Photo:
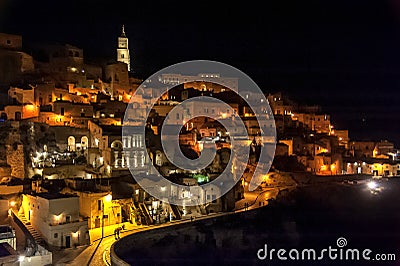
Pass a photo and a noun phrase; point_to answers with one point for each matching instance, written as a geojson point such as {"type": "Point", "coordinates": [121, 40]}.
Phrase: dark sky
{"type": "Point", "coordinates": [343, 55]}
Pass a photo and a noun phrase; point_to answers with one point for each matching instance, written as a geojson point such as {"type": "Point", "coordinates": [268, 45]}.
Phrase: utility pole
{"type": "Point", "coordinates": [102, 219]}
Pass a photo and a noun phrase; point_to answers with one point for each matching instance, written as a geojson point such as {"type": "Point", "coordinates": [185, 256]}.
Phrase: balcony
{"type": "Point", "coordinates": [80, 220]}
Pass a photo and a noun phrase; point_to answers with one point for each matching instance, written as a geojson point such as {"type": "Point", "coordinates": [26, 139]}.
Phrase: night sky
{"type": "Point", "coordinates": [343, 55]}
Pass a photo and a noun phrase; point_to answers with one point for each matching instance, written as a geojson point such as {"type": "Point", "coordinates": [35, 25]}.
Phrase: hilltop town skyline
{"type": "Point", "coordinates": [347, 63]}
{"type": "Point", "coordinates": [198, 133]}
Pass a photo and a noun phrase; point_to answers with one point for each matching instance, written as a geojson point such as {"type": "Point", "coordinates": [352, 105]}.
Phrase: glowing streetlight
{"type": "Point", "coordinates": [372, 185]}
{"type": "Point", "coordinates": [108, 198]}
{"type": "Point", "coordinates": [75, 234]}
{"type": "Point", "coordinates": [58, 218]}
{"type": "Point", "coordinates": [30, 107]}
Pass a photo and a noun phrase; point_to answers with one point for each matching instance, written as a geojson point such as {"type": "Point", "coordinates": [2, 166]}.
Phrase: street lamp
{"type": "Point", "coordinates": [102, 219]}
{"type": "Point", "coordinates": [107, 198]}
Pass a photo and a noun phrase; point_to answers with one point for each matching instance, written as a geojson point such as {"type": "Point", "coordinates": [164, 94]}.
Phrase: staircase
{"type": "Point", "coordinates": [35, 235]}
{"type": "Point", "coordinates": [176, 211]}
{"type": "Point", "coordinates": [146, 214]}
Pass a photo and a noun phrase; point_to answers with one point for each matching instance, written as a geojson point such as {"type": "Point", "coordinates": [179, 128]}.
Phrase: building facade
{"type": "Point", "coordinates": [56, 218]}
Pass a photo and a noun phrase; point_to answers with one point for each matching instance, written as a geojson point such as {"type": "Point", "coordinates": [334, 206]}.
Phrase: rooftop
{"type": "Point", "coordinates": [50, 196]}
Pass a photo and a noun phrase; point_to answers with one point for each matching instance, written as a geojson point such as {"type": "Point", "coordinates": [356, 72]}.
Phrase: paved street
{"type": "Point", "coordinates": [256, 199]}
{"type": "Point", "coordinates": [93, 254]}
{"type": "Point", "coordinates": [99, 251]}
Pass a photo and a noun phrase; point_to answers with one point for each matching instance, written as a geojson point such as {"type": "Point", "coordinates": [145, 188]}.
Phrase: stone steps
{"type": "Point", "coordinates": [35, 235]}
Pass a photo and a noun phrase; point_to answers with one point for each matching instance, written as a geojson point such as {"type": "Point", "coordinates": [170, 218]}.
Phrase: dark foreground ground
{"type": "Point", "coordinates": [311, 217]}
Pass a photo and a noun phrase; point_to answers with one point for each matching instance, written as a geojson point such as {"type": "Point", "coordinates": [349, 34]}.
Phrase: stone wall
{"type": "Point", "coordinates": [15, 158]}
{"type": "Point", "coordinates": [5, 171]}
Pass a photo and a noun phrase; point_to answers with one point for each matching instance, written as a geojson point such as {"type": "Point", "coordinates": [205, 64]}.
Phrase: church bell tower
{"type": "Point", "coordinates": [123, 50]}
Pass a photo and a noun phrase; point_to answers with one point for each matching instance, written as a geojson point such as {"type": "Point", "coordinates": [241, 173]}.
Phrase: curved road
{"type": "Point", "coordinates": [98, 253]}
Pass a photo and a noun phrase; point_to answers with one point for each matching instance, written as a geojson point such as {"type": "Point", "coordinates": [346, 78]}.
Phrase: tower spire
{"type": "Point", "coordinates": [123, 31]}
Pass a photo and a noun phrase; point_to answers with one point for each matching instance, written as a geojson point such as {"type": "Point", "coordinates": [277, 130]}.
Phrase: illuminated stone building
{"type": "Point", "coordinates": [123, 49]}
{"type": "Point", "coordinates": [56, 218]}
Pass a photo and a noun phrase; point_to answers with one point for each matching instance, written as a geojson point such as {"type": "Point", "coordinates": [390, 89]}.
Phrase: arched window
{"type": "Point", "coordinates": [116, 145]}
{"type": "Point", "coordinates": [71, 143]}
{"type": "Point", "coordinates": [84, 142]}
